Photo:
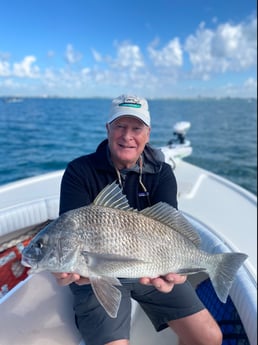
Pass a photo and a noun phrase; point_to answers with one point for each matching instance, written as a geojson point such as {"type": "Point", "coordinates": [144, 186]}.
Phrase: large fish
{"type": "Point", "coordinates": [107, 240]}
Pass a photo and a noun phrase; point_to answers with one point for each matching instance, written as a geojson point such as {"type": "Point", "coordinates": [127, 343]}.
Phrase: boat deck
{"type": "Point", "coordinates": [224, 213]}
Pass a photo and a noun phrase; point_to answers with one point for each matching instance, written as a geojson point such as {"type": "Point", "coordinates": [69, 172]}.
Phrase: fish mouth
{"type": "Point", "coordinates": [27, 262]}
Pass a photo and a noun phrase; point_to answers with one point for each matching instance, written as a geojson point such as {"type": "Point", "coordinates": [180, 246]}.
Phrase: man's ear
{"type": "Point", "coordinates": [149, 133]}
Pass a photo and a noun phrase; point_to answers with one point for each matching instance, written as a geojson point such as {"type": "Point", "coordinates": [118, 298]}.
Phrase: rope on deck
{"type": "Point", "coordinates": [22, 237]}
{"type": "Point", "coordinates": [11, 269]}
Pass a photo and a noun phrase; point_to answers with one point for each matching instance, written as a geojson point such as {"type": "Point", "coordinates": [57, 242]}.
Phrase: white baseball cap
{"type": "Point", "coordinates": [128, 105]}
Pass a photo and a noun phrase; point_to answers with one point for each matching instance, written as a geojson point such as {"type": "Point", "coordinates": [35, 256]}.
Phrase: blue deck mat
{"type": "Point", "coordinates": [224, 313]}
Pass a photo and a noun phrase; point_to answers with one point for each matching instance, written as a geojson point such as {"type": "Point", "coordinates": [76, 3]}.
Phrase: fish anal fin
{"type": "Point", "coordinates": [107, 294]}
{"type": "Point", "coordinates": [188, 271]}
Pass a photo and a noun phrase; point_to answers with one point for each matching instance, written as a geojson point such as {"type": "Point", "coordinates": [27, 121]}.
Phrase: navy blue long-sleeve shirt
{"type": "Point", "coordinates": [87, 175]}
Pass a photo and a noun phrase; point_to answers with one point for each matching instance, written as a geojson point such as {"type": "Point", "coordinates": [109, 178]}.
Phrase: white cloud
{"type": "Point", "coordinates": [85, 71]}
{"type": "Point", "coordinates": [247, 89]}
{"type": "Point", "coordinates": [170, 55]}
{"type": "Point", "coordinates": [204, 54]}
{"type": "Point", "coordinates": [96, 55]}
{"type": "Point", "coordinates": [129, 56]}
{"type": "Point", "coordinates": [4, 69]}
{"type": "Point", "coordinates": [250, 83]}
{"type": "Point", "coordinates": [228, 48]}
{"type": "Point", "coordinates": [71, 55]}
{"type": "Point", "coordinates": [9, 83]}
{"type": "Point", "coordinates": [25, 68]}
{"type": "Point", "coordinates": [12, 85]}
{"type": "Point", "coordinates": [49, 74]}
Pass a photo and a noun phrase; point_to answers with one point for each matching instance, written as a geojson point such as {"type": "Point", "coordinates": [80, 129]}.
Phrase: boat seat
{"type": "Point", "coordinates": [13, 219]}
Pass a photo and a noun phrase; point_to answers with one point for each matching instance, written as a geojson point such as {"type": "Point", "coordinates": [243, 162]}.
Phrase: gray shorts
{"type": "Point", "coordinates": [97, 328]}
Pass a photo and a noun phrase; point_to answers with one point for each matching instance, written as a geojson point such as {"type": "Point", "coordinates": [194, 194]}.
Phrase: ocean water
{"type": "Point", "coordinates": [43, 135]}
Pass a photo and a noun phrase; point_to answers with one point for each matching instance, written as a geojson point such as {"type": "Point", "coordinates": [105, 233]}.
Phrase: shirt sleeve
{"type": "Point", "coordinates": [73, 193]}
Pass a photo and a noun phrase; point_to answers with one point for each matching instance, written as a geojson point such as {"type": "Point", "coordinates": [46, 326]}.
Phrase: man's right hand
{"type": "Point", "coordinates": [64, 279]}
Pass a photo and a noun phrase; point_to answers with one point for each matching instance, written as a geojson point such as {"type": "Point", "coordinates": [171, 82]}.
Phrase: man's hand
{"type": "Point", "coordinates": [64, 279]}
{"type": "Point", "coordinates": [164, 283]}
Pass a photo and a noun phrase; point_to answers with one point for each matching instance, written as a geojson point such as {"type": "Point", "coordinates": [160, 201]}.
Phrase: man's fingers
{"type": "Point", "coordinates": [164, 283]}
{"type": "Point", "coordinates": [64, 279]}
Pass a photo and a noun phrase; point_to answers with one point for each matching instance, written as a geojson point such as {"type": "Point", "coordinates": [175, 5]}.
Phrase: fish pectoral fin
{"type": "Point", "coordinates": [101, 264]}
{"type": "Point", "coordinates": [106, 293]}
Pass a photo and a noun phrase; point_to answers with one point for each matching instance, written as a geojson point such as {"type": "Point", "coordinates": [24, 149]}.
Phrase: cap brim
{"type": "Point", "coordinates": [130, 112]}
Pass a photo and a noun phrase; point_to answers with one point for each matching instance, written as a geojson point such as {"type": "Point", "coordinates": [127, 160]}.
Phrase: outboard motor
{"type": "Point", "coordinates": [179, 130]}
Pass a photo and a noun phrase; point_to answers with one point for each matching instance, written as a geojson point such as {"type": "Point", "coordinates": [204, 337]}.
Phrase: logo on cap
{"type": "Point", "coordinates": [130, 102]}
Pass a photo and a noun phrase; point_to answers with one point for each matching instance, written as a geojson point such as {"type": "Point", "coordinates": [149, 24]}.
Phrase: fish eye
{"type": "Point", "coordinates": [39, 244]}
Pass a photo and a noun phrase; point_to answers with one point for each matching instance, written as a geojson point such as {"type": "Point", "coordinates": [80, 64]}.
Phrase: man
{"type": "Point", "coordinates": [146, 179]}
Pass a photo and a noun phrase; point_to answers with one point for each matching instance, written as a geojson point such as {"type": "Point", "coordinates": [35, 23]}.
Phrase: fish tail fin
{"type": "Point", "coordinates": [222, 271]}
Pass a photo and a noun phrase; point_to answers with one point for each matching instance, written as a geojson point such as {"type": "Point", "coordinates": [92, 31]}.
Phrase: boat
{"type": "Point", "coordinates": [35, 310]}
{"type": "Point", "coordinates": [12, 100]}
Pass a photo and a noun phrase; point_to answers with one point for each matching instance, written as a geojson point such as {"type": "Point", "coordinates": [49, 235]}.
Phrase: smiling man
{"type": "Point", "coordinates": [128, 135]}
{"type": "Point", "coordinates": [145, 179]}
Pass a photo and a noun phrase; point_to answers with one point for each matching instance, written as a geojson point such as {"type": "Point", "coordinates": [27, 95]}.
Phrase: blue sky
{"type": "Point", "coordinates": [158, 48]}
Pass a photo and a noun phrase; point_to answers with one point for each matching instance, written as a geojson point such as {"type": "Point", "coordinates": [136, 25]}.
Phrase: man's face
{"type": "Point", "coordinates": [127, 137]}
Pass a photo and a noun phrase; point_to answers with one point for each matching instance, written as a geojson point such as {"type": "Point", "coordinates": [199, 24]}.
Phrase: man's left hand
{"type": "Point", "coordinates": [164, 283]}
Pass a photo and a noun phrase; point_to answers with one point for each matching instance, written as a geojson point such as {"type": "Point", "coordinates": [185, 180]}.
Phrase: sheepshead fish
{"type": "Point", "coordinates": [108, 239]}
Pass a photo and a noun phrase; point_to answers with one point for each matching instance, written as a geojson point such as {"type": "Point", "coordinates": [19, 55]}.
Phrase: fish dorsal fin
{"type": "Point", "coordinates": [112, 196]}
{"type": "Point", "coordinates": [174, 219]}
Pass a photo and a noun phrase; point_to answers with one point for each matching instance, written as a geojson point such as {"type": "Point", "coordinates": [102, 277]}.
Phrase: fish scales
{"type": "Point", "coordinates": [132, 230]}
